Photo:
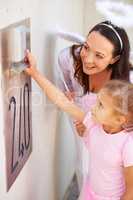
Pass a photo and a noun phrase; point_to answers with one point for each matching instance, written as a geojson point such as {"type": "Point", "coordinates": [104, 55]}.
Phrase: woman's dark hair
{"type": "Point", "coordinates": [120, 69]}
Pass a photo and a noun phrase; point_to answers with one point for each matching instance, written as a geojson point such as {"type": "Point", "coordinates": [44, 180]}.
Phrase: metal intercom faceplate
{"type": "Point", "coordinates": [16, 96]}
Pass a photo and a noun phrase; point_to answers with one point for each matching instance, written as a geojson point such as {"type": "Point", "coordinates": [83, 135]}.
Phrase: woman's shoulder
{"type": "Point", "coordinates": [65, 58]}
{"type": "Point", "coordinates": [66, 52]}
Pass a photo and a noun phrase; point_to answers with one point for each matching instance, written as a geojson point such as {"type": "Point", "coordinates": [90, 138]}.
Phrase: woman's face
{"type": "Point", "coordinates": [96, 54]}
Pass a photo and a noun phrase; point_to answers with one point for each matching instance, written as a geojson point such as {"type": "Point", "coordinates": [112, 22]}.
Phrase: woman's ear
{"type": "Point", "coordinates": [115, 59]}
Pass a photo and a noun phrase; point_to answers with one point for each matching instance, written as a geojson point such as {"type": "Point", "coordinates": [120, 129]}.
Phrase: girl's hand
{"type": "Point", "coordinates": [80, 127]}
{"type": "Point", "coordinates": [30, 60]}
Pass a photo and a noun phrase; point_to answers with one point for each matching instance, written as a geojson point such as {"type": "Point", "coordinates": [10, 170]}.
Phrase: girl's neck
{"type": "Point", "coordinates": [112, 130]}
{"type": "Point", "coordinates": [97, 81]}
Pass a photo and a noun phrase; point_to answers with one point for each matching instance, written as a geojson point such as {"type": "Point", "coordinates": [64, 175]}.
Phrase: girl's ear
{"type": "Point", "coordinates": [115, 59]}
{"type": "Point", "coordinates": [122, 120]}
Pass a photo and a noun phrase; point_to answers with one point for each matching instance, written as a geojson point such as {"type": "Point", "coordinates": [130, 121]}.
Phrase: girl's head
{"type": "Point", "coordinates": [106, 48]}
{"type": "Point", "coordinates": [114, 107]}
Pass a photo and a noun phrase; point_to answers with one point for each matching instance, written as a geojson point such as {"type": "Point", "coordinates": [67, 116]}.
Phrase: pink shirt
{"type": "Point", "coordinates": [109, 154]}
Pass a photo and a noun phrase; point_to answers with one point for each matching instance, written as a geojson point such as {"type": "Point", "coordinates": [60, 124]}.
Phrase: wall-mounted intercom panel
{"type": "Point", "coordinates": [16, 97]}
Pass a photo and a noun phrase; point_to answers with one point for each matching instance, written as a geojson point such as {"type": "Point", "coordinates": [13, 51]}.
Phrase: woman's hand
{"type": "Point", "coordinates": [80, 127]}
{"type": "Point", "coordinates": [30, 60]}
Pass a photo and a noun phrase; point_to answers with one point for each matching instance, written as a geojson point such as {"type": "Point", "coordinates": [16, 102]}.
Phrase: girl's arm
{"type": "Point", "coordinates": [53, 93]}
{"type": "Point", "coordinates": [128, 174]}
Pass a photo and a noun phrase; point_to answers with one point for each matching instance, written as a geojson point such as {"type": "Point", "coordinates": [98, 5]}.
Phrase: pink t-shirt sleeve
{"type": "Point", "coordinates": [89, 123]}
{"type": "Point", "coordinates": [127, 153]}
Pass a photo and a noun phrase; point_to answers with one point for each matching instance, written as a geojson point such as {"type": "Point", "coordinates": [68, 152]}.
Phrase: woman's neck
{"type": "Point", "coordinates": [97, 81]}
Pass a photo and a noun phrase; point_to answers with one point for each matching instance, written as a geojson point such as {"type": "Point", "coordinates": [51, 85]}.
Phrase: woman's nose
{"type": "Point", "coordinates": [89, 58]}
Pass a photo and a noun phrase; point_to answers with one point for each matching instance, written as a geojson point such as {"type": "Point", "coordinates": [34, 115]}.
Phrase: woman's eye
{"type": "Point", "coordinates": [85, 47]}
{"type": "Point", "coordinates": [99, 56]}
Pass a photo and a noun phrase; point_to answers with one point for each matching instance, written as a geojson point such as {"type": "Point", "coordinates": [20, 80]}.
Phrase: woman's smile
{"type": "Point", "coordinates": [88, 67]}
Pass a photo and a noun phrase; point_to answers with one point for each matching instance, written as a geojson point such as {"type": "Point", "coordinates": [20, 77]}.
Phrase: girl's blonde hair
{"type": "Point", "coordinates": [122, 94]}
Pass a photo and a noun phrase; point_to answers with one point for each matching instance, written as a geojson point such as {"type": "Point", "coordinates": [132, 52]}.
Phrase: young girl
{"type": "Point", "coordinates": [110, 146]}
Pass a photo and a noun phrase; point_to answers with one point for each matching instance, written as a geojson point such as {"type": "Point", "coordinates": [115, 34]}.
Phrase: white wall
{"type": "Point", "coordinates": [41, 178]}
{"type": "Point", "coordinates": [93, 16]}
